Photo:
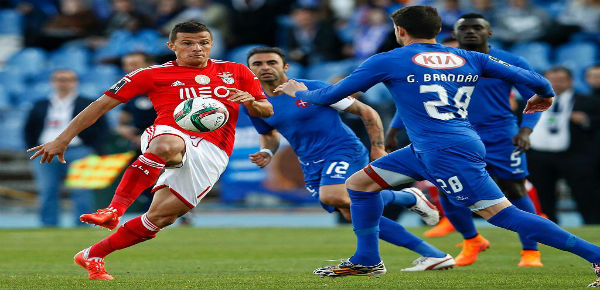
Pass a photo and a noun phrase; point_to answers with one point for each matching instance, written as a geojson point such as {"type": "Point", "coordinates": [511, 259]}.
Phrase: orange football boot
{"type": "Point", "coordinates": [471, 248]}
{"type": "Point", "coordinates": [95, 267]}
{"type": "Point", "coordinates": [104, 217]}
{"type": "Point", "coordinates": [444, 227]}
{"type": "Point", "coordinates": [531, 258]}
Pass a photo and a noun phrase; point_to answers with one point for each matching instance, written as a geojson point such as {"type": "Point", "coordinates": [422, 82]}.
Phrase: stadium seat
{"type": "Point", "coordinates": [576, 55]}
{"type": "Point", "coordinates": [5, 102]}
{"type": "Point", "coordinates": [240, 53]}
{"type": "Point", "coordinates": [102, 75]}
{"type": "Point", "coordinates": [537, 54]}
{"type": "Point", "coordinates": [73, 58]}
{"type": "Point", "coordinates": [296, 70]}
{"type": "Point", "coordinates": [13, 84]}
{"type": "Point", "coordinates": [92, 90]}
{"type": "Point", "coordinates": [11, 124]}
{"type": "Point", "coordinates": [28, 62]}
{"type": "Point", "coordinates": [11, 22]}
{"type": "Point", "coordinates": [325, 71]}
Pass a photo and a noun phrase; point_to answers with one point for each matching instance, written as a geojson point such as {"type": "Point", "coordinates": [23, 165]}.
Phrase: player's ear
{"type": "Point", "coordinates": [286, 67]}
{"type": "Point", "coordinates": [171, 46]}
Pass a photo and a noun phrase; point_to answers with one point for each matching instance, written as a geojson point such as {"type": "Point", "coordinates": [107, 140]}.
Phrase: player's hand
{"type": "Point", "coordinates": [537, 104]}
{"type": "Point", "coordinates": [377, 152]}
{"type": "Point", "coordinates": [49, 150]}
{"type": "Point", "coordinates": [239, 96]}
{"type": "Point", "coordinates": [290, 88]}
{"type": "Point", "coordinates": [521, 140]}
{"type": "Point", "coordinates": [261, 159]}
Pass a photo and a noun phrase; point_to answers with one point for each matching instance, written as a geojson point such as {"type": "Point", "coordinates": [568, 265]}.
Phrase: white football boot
{"type": "Point", "coordinates": [428, 212]}
{"type": "Point", "coordinates": [430, 263]}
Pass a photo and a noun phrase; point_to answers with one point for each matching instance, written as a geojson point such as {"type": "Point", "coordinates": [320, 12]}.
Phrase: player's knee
{"type": "Point", "coordinates": [335, 200]}
{"type": "Point", "coordinates": [160, 220]}
{"type": "Point", "coordinates": [362, 182]}
{"type": "Point", "coordinates": [168, 151]}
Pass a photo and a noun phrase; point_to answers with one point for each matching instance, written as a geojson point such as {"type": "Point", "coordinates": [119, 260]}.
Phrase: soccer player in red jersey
{"type": "Point", "coordinates": [192, 162]}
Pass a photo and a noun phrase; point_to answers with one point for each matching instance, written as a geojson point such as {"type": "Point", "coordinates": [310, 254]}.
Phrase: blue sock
{"type": "Point", "coordinates": [460, 217]}
{"type": "Point", "coordinates": [525, 204]}
{"type": "Point", "coordinates": [393, 233]}
{"type": "Point", "coordinates": [542, 230]}
{"type": "Point", "coordinates": [366, 209]}
{"type": "Point", "coordinates": [399, 197]}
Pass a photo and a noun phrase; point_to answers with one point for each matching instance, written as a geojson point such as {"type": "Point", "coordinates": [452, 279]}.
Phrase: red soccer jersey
{"type": "Point", "coordinates": [169, 84]}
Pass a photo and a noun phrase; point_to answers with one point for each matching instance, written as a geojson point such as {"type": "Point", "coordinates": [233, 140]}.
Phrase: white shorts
{"type": "Point", "coordinates": [203, 163]}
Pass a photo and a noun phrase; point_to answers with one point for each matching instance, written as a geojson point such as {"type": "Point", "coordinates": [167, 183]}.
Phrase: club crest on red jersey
{"type": "Point", "coordinates": [438, 60]}
{"type": "Point", "coordinates": [202, 79]}
{"type": "Point", "coordinates": [227, 77]}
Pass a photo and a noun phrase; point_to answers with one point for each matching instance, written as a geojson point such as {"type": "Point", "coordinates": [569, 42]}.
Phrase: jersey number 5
{"type": "Point", "coordinates": [461, 101]}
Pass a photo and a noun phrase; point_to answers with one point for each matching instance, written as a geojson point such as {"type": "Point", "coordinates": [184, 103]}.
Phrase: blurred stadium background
{"type": "Point", "coordinates": [89, 37]}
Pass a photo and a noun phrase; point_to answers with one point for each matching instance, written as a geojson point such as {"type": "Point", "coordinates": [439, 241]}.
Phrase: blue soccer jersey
{"type": "Point", "coordinates": [432, 85]}
{"type": "Point", "coordinates": [328, 150]}
{"type": "Point", "coordinates": [491, 115]}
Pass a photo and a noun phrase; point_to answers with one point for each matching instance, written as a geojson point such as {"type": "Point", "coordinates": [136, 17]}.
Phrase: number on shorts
{"type": "Point", "coordinates": [338, 167]}
{"type": "Point", "coordinates": [432, 106]}
{"type": "Point", "coordinates": [454, 183]}
{"type": "Point", "coordinates": [515, 159]}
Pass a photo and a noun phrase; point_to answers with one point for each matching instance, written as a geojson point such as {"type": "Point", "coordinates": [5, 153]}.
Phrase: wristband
{"type": "Point", "coordinates": [266, 150]}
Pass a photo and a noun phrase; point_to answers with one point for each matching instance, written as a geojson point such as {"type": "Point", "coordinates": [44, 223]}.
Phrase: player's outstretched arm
{"type": "Point", "coordinates": [257, 108]}
{"type": "Point", "coordinates": [373, 124]}
{"type": "Point", "coordinates": [369, 73]}
{"type": "Point", "coordinates": [269, 143]}
{"type": "Point", "coordinates": [83, 120]}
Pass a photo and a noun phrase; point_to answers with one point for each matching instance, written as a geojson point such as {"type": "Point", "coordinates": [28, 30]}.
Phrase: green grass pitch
{"type": "Point", "coordinates": [271, 258]}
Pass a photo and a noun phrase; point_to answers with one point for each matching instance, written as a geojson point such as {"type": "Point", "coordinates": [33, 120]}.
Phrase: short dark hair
{"type": "Point", "coordinates": [266, 49]}
{"type": "Point", "coordinates": [190, 26]}
{"type": "Point", "coordinates": [560, 69]}
{"type": "Point", "coordinates": [148, 58]}
{"type": "Point", "coordinates": [472, 16]}
{"type": "Point", "coordinates": [419, 21]}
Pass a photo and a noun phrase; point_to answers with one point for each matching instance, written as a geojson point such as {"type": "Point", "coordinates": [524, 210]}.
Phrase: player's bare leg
{"type": "Point", "coordinates": [162, 150]}
{"type": "Point", "coordinates": [164, 210]}
{"type": "Point", "coordinates": [336, 195]}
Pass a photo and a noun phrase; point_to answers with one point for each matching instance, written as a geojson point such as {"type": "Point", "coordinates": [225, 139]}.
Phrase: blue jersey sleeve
{"type": "Point", "coordinates": [495, 68]}
{"type": "Point", "coordinates": [259, 124]}
{"type": "Point", "coordinates": [529, 120]}
{"type": "Point", "coordinates": [397, 122]}
{"type": "Point", "coordinates": [365, 76]}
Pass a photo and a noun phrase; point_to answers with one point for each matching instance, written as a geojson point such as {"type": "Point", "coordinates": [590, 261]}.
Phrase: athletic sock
{"type": "Point", "coordinates": [399, 197]}
{"type": "Point", "coordinates": [393, 233]}
{"type": "Point", "coordinates": [525, 204]}
{"type": "Point", "coordinates": [460, 217]}
{"type": "Point", "coordinates": [542, 230]}
{"type": "Point", "coordinates": [137, 177]}
{"type": "Point", "coordinates": [366, 209]}
{"type": "Point", "coordinates": [134, 231]}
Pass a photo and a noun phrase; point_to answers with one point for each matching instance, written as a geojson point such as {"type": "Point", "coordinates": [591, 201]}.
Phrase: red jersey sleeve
{"type": "Point", "coordinates": [131, 85]}
{"type": "Point", "coordinates": [249, 83]}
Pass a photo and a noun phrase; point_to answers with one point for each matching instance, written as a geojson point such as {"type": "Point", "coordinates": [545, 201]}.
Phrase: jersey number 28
{"type": "Point", "coordinates": [461, 101]}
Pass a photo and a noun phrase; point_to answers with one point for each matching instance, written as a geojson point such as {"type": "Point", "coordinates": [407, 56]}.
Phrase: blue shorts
{"type": "Point", "coordinates": [332, 170]}
{"type": "Point", "coordinates": [502, 161]}
{"type": "Point", "coordinates": [459, 171]}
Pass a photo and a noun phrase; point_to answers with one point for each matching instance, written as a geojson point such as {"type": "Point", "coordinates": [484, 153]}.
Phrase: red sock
{"type": "Point", "coordinates": [138, 176]}
{"type": "Point", "coordinates": [134, 231]}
